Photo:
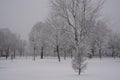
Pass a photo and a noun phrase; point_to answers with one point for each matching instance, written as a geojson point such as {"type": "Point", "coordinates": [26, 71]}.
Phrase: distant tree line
{"type": "Point", "coordinates": [10, 44]}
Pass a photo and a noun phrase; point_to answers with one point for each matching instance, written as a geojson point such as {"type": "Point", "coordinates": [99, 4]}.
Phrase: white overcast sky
{"type": "Point", "coordinates": [21, 15]}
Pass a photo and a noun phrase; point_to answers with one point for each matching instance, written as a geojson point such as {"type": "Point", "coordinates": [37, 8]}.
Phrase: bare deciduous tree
{"type": "Point", "coordinates": [78, 14]}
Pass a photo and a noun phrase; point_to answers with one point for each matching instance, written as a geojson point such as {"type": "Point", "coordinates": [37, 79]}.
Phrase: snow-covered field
{"type": "Point", "coordinates": [51, 69]}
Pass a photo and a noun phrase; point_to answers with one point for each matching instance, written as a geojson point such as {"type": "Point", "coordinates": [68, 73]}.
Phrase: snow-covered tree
{"type": "Point", "coordinates": [80, 15]}
{"type": "Point", "coordinates": [78, 62]}
{"type": "Point", "coordinates": [98, 38]}
{"type": "Point", "coordinates": [114, 44]}
{"type": "Point", "coordinates": [55, 25]}
{"type": "Point", "coordinates": [38, 38]}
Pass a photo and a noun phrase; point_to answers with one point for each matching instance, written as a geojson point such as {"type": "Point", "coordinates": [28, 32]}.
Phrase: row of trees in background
{"type": "Point", "coordinates": [74, 29]}
{"type": "Point", "coordinates": [10, 44]}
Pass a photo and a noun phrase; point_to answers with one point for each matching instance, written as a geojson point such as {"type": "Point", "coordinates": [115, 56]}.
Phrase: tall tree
{"type": "Point", "coordinates": [38, 38]}
{"type": "Point", "coordinates": [78, 14]}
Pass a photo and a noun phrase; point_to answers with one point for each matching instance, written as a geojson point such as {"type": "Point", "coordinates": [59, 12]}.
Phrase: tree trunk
{"type": "Point", "coordinates": [54, 53]}
{"type": "Point", "coordinates": [21, 53]}
{"type": "Point", "coordinates": [1, 53]}
{"type": "Point", "coordinates": [58, 53]}
{"type": "Point", "coordinates": [100, 54]}
{"type": "Point", "coordinates": [76, 36]}
{"type": "Point", "coordinates": [42, 52]}
{"type": "Point", "coordinates": [14, 55]}
{"type": "Point", "coordinates": [71, 54]}
{"type": "Point", "coordinates": [64, 54]}
{"type": "Point", "coordinates": [93, 52]}
{"type": "Point", "coordinates": [7, 53]}
{"type": "Point", "coordinates": [34, 53]}
{"type": "Point", "coordinates": [113, 52]}
{"type": "Point", "coordinates": [79, 71]}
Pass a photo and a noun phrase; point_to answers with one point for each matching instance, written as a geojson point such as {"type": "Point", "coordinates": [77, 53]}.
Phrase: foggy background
{"type": "Point", "coordinates": [20, 15]}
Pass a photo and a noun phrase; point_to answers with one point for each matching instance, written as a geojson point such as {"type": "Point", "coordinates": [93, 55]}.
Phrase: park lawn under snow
{"type": "Point", "coordinates": [51, 69]}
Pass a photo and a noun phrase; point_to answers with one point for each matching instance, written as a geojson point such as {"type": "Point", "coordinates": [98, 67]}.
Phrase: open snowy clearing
{"type": "Point", "coordinates": [51, 69]}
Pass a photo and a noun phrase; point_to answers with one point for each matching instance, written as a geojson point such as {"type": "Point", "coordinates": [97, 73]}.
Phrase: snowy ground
{"type": "Point", "coordinates": [51, 69]}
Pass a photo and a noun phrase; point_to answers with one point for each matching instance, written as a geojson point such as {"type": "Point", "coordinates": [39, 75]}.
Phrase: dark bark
{"type": "Point", "coordinates": [42, 48]}
{"type": "Point", "coordinates": [58, 53]}
{"type": "Point", "coordinates": [76, 36]}
{"type": "Point", "coordinates": [34, 53]}
{"type": "Point", "coordinates": [1, 53]}
{"type": "Point", "coordinates": [7, 53]}
{"type": "Point", "coordinates": [100, 54]}
{"type": "Point", "coordinates": [93, 52]}
{"type": "Point", "coordinates": [14, 55]}
{"type": "Point", "coordinates": [79, 71]}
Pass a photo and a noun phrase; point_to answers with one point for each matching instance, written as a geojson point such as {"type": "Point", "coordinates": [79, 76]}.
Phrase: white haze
{"type": "Point", "coordinates": [21, 15]}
